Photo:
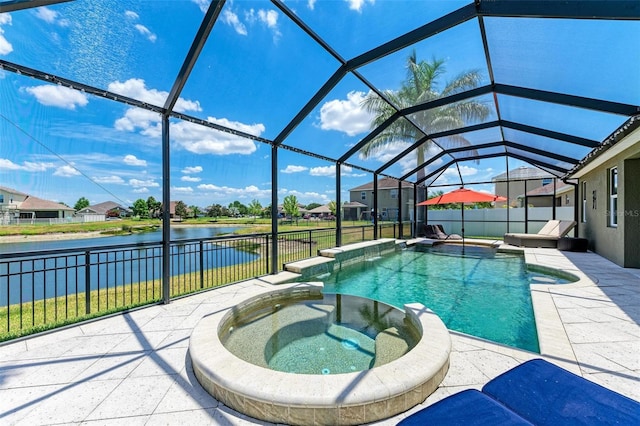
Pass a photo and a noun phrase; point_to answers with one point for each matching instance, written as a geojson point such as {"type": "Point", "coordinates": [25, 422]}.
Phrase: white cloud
{"type": "Point", "coordinates": [192, 137]}
{"type": "Point", "coordinates": [250, 192]}
{"type": "Point", "coordinates": [202, 4]}
{"type": "Point", "coordinates": [109, 179]}
{"type": "Point", "coordinates": [467, 171]}
{"type": "Point", "coordinates": [358, 4]}
{"type": "Point", "coordinates": [5, 45]}
{"type": "Point", "coordinates": [388, 152]}
{"type": "Point", "coordinates": [311, 4]}
{"type": "Point", "coordinates": [204, 140]}
{"type": "Point", "coordinates": [47, 15]}
{"type": "Point", "coordinates": [50, 16]}
{"type": "Point", "coordinates": [134, 118]}
{"type": "Point", "coordinates": [190, 179]}
{"type": "Point", "coordinates": [131, 14]}
{"type": "Point", "coordinates": [142, 190]}
{"type": "Point", "coordinates": [66, 171]}
{"type": "Point", "coordinates": [192, 170]}
{"type": "Point", "coordinates": [27, 166]}
{"type": "Point", "coordinates": [304, 197]}
{"type": "Point", "coordinates": [346, 116]}
{"type": "Point", "coordinates": [329, 171]}
{"type": "Point", "coordinates": [132, 160]}
{"type": "Point", "coordinates": [230, 18]}
{"type": "Point", "coordinates": [146, 32]}
{"type": "Point", "coordinates": [58, 96]}
{"type": "Point", "coordinates": [182, 189]}
{"type": "Point", "coordinates": [270, 19]}
{"type": "Point", "coordinates": [137, 183]}
{"type": "Point", "coordinates": [294, 169]}
{"type": "Point", "coordinates": [451, 174]}
{"type": "Point", "coordinates": [323, 171]}
{"type": "Point", "coordinates": [136, 88]}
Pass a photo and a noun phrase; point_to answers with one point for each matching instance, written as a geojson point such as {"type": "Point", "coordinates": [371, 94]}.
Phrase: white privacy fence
{"type": "Point", "coordinates": [493, 222]}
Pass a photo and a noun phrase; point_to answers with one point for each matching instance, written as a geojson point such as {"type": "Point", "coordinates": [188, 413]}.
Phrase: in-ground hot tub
{"type": "Point", "coordinates": [344, 359]}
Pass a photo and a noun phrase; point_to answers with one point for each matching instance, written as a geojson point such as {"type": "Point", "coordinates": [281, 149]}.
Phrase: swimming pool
{"type": "Point", "coordinates": [482, 293]}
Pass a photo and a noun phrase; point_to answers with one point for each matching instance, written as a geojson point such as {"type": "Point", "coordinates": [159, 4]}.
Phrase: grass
{"type": "Point", "coordinates": [128, 225]}
{"type": "Point", "coordinates": [32, 317]}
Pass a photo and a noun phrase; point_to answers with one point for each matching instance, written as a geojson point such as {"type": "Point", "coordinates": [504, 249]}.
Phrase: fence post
{"type": "Point", "coordinates": [87, 282]}
{"type": "Point", "coordinates": [201, 264]}
{"type": "Point", "coordinates": [310, 251]}
{"type": "Point", "coordinates": [266, 257]}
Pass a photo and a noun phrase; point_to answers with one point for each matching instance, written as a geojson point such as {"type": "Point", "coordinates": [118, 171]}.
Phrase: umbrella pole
{"type": "Point", "coordinates": [462, 205]}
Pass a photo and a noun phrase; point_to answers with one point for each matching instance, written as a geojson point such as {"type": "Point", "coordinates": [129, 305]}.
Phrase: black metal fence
{"type": "Point", "coordinates": [46, 289]}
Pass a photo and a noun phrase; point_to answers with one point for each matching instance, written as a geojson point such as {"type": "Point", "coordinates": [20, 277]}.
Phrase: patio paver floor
{"type": "Point", "coordinates": [134, 368]}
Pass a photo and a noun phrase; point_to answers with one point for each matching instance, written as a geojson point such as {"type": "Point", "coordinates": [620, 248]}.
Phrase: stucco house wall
{"type": "Point", "coordinates": [621, 243]}
{"type": "Point", "coordinates": [387, 204]}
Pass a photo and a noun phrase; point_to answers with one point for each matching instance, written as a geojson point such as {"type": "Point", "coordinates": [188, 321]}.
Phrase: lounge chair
{"type": "Point", "coordinates": [547, 237]}
{"type": "Point", "coordinates": [535, 392]}
{"type": "Point", "coordinates": [436, 232]}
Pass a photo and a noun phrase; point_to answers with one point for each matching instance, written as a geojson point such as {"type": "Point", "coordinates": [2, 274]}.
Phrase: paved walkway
{"type": "Point", "coordinates": [134, 369]}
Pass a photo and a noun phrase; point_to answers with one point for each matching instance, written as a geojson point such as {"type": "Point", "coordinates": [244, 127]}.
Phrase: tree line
{"type": "Point", "coordinates": [151, 208]}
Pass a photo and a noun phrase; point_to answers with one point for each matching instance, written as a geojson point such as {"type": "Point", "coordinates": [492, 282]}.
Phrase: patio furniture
{"type": "Point", "coordinates": [436, 232]}
{"type": "Point", "coordinates": [535, 392]}
{"type": "Point", "coordinates": [547, 237]}
{"type": "Point", "coordinates": [573, 244]}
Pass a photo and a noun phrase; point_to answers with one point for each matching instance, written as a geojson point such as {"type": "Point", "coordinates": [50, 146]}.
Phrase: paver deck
{"type": "Point", "coordinates": [135, 369]}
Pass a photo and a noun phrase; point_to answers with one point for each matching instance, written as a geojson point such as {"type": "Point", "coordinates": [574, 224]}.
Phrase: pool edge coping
{"type": "Point", "coordinates": [349, 398]}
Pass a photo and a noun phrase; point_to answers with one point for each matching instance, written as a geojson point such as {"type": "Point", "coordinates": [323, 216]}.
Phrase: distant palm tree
{"type": "Point", "coordinates": [421, 86]}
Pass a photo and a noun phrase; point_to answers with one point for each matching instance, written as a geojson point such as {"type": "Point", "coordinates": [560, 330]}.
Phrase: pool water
{"type": "Point", "coordinates": [481, 293]}
{"type": "Point", "coordinates": [323, 334]}
{"type": "Point", "coordinates": [338, 350]}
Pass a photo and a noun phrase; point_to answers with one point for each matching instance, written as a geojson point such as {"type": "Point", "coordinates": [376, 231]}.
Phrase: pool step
{"type": "Point", "coordinates": [335, 258]}
{"type": "Point", "coordinates": [311, 267]}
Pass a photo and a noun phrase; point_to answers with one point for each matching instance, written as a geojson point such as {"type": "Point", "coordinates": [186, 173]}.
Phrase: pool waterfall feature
{"type": "Point", "coordinates": [336, 258]}
{"type": "Point", "coordinates": [392, 385]}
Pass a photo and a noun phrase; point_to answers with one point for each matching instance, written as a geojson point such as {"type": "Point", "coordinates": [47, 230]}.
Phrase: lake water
{"type": "Point", "coordinates": [177, 233]}
{"type": "Point", "coordinates": [34, 277]}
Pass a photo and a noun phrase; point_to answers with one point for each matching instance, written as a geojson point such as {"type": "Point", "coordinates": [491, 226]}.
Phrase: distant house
{"type": "Point", "coordinates": [321, 212]}
{"type": "Point", "coordinates": [354, 210]}
{"type": "Point", "coordinates": [560, 195]}
{"type": "Point", "coordinates": [16, 205]}
{"type": "Point", "coordinates": [521, 180]}
{"type": "Point", "coordinates": [387, 199]}
{"type": "Point", "coordinates": [301, 209]}
{"type": "Point", "coordinates": [107, 209]}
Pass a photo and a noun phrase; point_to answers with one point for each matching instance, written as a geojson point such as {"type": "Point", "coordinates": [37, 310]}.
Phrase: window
{"type": "Point", "coordinates": [613, 196]}
{"type": "Point", "coordinates": [546, 181]}
{"type": "Point", "coordinates": [394, 194]}
{"type": "Point", "coordinates": [583, 213]}
{"type": "Point", "coordinates": [363, 195]}
{"type": "Point", "coordinates": [1, 198]}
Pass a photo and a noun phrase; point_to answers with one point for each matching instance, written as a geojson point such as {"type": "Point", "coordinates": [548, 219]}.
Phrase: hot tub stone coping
{"type": "Point", "coordinates": [277, 396]}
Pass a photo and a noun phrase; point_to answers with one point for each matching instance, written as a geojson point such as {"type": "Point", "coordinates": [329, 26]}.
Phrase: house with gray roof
{"type": "Point", "coordinates": [387, 199]}
{"type": "Point", "coordinates": [107, 208]}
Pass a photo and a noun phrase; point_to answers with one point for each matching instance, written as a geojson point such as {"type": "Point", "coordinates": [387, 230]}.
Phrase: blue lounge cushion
{"type": "Point", "coordinates": [546, 394]}
{"type": "Point", "coordinates": [469, 408]}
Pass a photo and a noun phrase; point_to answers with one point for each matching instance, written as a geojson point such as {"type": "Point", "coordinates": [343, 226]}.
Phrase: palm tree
{"type": "Point", "coordinates": [421, 86]}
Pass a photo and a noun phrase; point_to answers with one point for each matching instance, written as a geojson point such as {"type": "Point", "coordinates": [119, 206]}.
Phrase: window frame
{"type": "Point", "coordinates": [612, 183]}
{"type": "Point", "coordinates": [583, 213]}
{"type": "Point", "coordinates": [363, 195]}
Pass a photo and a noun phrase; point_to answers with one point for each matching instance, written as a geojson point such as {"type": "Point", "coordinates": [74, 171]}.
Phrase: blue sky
{"type": "Point", "coordinates": [255, 73]}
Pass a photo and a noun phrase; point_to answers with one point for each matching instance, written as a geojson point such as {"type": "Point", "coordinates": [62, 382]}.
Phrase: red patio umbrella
{"type": "Point", "coordinates": [462, 195]}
